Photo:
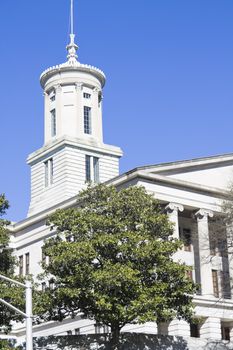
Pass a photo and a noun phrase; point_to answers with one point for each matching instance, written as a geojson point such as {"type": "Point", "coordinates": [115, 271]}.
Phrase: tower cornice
{"type": "Point", "coordinates": [71, 67]}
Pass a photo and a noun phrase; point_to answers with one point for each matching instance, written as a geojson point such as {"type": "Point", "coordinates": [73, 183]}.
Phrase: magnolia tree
{"type": "Point", "coordinates": [111, 259]}
{"type": "Point", "coordinates": [8, 292]}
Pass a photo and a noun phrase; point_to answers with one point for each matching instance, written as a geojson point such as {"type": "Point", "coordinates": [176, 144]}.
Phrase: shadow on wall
{"type": "Point", "coordinates": [129, 341]}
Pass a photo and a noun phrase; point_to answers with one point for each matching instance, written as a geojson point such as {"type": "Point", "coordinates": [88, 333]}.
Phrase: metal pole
{"type": "Point", "coordinates": [72, 17]}
{"type": "Point", "coordinates": [29, 316]}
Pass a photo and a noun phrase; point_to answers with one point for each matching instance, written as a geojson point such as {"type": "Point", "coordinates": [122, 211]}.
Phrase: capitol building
{"type": "Point", "coordinates": [191, 191]}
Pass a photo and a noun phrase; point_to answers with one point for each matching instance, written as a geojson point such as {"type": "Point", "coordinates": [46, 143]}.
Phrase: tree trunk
{"type": "Point", "coordinates": [115, 337]}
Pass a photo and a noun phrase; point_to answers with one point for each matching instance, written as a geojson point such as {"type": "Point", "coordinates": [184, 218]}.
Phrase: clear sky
{"type": "Point", "coordinates": [169, 68]}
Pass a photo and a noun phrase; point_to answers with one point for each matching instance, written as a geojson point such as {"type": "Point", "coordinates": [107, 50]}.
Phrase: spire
{"type": "Point", "coordinates": [72, 47]}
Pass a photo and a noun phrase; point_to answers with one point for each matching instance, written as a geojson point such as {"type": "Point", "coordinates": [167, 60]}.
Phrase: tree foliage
{"type": "Point", "coordinates": [111, 259]}
{"type": "Point", "coordinates": [8, 291]}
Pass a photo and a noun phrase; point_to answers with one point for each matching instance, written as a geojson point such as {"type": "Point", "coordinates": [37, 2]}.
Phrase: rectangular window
{"type": "Point", "coordinates": [225, 333]}
{"type": "Point", "coordinates": [53, 123]}
{"type": "Point", "coordinates": [194, 330]}
{"type": "Point", "coordinates": [87, 120]}
{"type": "Point", "coordinates": [46, 169]}
{"type": "Point", "coordinates": [86, 95]}
{"type": "Point", "coordinates": [51, 170]}
{"type": "Point", "coordinates": [48, 166]}
{"type": "Point", "coordinates": [52, 98]}
{"type": "Point", "coordinates": [88, 168]}
{"type": "Point", "coordinates": [96, 169]}
{"type": "Point", "coordinates": [27, 263]}
{"type": "Point", "coordinates": [21, 265]}
{"type": "Point", "coordinates": [215, 283]}
{"type": "Point", "coordinates": [69, 332]}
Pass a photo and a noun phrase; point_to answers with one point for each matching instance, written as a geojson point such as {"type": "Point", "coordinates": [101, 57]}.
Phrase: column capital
{"type": "Point", "coordinates": [58, 88]}
{"type": "Point", "coordinates": [204, 213]}
{"type": "Point", "coordinates": [171, 207]}
{"type": "Point", "coordinates": [79, 86]}
{"type": "Point", "coordinates": [96, 90]}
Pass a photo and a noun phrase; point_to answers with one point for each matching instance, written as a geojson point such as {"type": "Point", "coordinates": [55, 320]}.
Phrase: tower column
{"type": "Point", "coordinates": [79, 108]}
{"type": "Point", "coordinates": [46, 119]}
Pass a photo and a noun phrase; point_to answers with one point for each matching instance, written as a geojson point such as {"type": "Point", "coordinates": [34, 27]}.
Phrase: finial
{"type": "Point", "coordinates": [72, 47]}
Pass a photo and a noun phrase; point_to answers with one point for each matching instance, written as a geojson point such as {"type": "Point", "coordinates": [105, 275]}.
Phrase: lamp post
{"type": "Point", "coordinates": [28, 314]}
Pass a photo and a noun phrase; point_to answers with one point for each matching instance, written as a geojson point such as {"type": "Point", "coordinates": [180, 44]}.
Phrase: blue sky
{"type": "Point", "coordinates": [169, 68]}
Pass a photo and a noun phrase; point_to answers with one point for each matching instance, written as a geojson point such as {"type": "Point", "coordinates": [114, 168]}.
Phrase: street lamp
{"type": "Point", "coordinates": [28, 314]}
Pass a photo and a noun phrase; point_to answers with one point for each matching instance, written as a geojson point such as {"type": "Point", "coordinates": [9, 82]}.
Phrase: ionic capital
{"type": "Point", "coordinates": [204, 213]}
{"type": "Point", "coordinates": [174, 207]}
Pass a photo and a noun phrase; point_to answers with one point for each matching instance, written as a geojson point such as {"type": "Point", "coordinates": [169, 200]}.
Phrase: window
{"type": "Point", "coordinates": [194, 330]}
{"type": "Point", "coordinates": [92, 169]}
{"type": "Point", "coordinates": [21, 265]}
{"type": "Point", "coordinates": [96, 169]}
{"type": "Point", "coordinates": [88, 168]}
{"type": "Point", "coordinates": [27, 263]}
{"type": "Point", "coordinates": [215, 283]}
{"type": "Point", "coordinates": [52, 98]}
{"type": "Point", "coordinates": [48, 165]}
{"type": "Point", "coordinates": [86, 95]}
{"type": "Point", "coordinates": [87, 120]}
{"type": "Point", "coordinates": [69, 332]}
{"type": "Point", "coordinates": [225, 333]}
{"type": "Point", "coordinates": [77, 331]}
{"type": "Point", "coordinates": [53, 123]}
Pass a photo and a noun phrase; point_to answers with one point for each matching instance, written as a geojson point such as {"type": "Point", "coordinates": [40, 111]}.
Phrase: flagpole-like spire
{"type": "Point", "coordinates": [72, 17]}
{"type": "Point", "coordinates": [72, 47]}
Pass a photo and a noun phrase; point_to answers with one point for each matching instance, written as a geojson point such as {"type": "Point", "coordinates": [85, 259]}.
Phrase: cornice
{"type": "Point", "coordinates": [131, 175]}
{"type": "Point", "coordinates": [72, 66]}
{"type": "Point", "coordinates": [89, 145]}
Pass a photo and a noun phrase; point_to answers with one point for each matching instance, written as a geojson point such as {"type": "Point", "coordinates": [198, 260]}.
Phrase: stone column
{"type": "Point", "coordinates": [211, 328]}
{"type": "Point", "coordinates": [172, 210]}
{"type": "Point", "coordinates": [202, 216]}
{"type": "Point", "coordinates": [179, 327]}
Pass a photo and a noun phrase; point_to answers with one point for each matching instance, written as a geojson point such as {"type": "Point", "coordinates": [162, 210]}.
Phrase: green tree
{"type": "Point", "coordinates": [8, 291]}
{"type": "Point", "coordinates": [111, 259]}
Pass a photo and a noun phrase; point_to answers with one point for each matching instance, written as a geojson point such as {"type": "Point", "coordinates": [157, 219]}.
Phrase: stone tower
{"type": "Point", "coordinates": [73, 153]}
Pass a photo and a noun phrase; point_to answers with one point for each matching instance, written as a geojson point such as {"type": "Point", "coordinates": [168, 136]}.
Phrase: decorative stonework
{"type": "Point", "coordinates": [201, 213]}
{"type": "Point", "coordinates": [174, 207]}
